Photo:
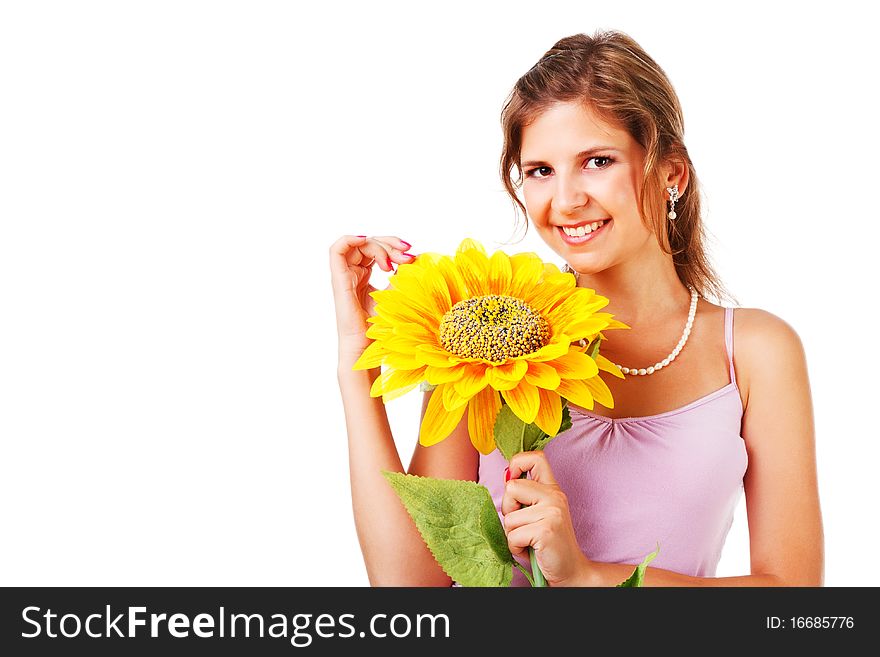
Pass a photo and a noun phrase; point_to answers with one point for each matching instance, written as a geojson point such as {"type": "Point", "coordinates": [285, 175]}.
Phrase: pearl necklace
{"type": "Point", "coordinates": [643, 371]}
{"type": "Point", "coordinates": [671, 357]}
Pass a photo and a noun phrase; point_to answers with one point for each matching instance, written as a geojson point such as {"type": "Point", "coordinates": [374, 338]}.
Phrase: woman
{"type": "Point", "coordinates": [595, 132]}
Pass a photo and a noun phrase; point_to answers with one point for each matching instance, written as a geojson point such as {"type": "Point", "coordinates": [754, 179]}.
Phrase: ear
{"type": "Point", "coordinates": [676, 173]}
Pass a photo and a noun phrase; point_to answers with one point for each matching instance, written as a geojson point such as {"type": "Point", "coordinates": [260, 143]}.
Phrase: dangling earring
{"type": "Point", "coordinates": [673, 197]}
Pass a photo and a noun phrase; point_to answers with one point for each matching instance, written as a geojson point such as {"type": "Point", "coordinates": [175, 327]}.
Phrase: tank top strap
{"type": "Point", "coordinates": [728, 341]}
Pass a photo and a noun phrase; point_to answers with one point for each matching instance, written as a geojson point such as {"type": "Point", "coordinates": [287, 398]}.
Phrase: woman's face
{"type": "Point", "coordinates": [579, 170]}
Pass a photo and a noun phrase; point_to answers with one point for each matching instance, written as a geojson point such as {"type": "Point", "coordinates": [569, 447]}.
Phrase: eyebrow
{"type": "Point", "coordinates": [589, 151]}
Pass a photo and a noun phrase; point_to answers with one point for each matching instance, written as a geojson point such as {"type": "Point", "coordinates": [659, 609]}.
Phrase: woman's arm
{"type": "Point", "coordinates": [781, 483]}
{"type": "Point", "coordinates": [782, 499]}
{"type": "Point", "coordinates": [394, 552]}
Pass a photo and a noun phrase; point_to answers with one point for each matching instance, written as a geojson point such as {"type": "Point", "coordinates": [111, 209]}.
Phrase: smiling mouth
{"type": "Point", "coordinates": [585, 229]}
{"type": "Point", "coordinates": [583, 233]}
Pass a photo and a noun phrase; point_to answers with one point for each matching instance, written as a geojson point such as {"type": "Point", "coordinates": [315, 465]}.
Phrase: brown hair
{"type": "Point", "coordinates": [611, 74]}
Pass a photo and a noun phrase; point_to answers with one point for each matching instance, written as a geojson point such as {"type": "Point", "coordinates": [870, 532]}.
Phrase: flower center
{"type": "Point", "coordinates": [493, 327]}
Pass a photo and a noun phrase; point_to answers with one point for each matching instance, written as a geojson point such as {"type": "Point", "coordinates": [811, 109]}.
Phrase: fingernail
{"type": "Point", "coordinates": [408, 245]}
{"type": "Point", "coordinates": [361, 235]}
{"type": "Point", "coordinates": [390, 264]}
{"type": "Point", "coordinates": [409, 255]}
{"type": "Point", "coordinates": [506, 474]}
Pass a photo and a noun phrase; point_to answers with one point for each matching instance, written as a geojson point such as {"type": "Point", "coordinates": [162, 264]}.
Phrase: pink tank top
{"type": "Point", "coordinates": [673, 479]}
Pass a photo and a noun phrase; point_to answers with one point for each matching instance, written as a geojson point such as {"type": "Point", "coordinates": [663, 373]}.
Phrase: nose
{"type": "Point", "coordinates": [569, 196]}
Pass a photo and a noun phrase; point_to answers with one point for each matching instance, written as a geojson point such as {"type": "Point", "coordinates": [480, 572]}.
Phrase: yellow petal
{"type": "Point", "coordinates": [551, 292]}
{"type": "Point", "coordinates": [402, 360]}
{"type": "Point", "coordinates": [580, 304]}
{"type": "Point", "coordinates": [431, 355]}
{"type": "Point", "coordinates": [415, 332]}
{"type": "Point", "coordinates": [438, 423]}
{"type": "Point", "coordinates": [437, 375]}
{"type": "Point", "coordinates": [436, 289]}
{"type": "Point", "coordinates": [600, 391]}
{"type": "Point", "coordinates": [468, 244]}
{"type": "Point", "coordinates": [526, 271]}
{"type": "Point", "coordinates": [505, 377]}
{"type": "Point", "coordinates": [607, 366]}
{"type": "Point", "coordinates": [458, 290]}
{"type": "Point", "coordinates": [500, 273]}
{"type": "Point", "coordinates": [451, 398]}
{"type": "Point", "coordinates": [396, 311]}
{"type": "Point", "coordinates": [542, 375]}
{"type": "Point", "coordinates": [577, 392]}
{"type": "Point", "coordinates": [586, 327]}
{"type": "Point", "coordinates": [523, 400]}
{"type": "Point", "coordinates": [512, 371]}
{"type": "Point", "coordinates": [379, 331]}
{"type": "Point", "coordinates": [473, 379]}
{"type": "Point", "coordinates": [575, 365]}
{"type": "Point", "coordinates": [549, 417]}
{"type": "Point", "coordinates": [390, 380]}
{"type": "Point", "coordinates": [614, 323]}
{"type": "Point", "coordinates": [473, 266]}
{"type": "Point", "coordinates": [482, 411]}
{"type": "Point", "coordinates": [424, 289]}
{"type": "Point", "coordinates": [555, 349]}
{"type": "Point", "coordinates": [499, 383]}
{"type": "Point", "coordinates": [400, 392]}
{"type": "Point", "coordinates": [372, 357]}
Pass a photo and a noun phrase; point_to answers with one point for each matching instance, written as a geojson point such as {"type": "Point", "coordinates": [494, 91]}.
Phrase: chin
{"type": "Point", "coordinates": [588, 266]}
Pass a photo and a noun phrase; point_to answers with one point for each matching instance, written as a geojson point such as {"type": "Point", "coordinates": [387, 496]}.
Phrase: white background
{"type": "Point", "coordinates": [173, 173]}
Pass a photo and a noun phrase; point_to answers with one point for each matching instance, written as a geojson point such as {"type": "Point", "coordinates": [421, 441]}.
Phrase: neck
{"type": "Point", "coordinates": [643, 292]}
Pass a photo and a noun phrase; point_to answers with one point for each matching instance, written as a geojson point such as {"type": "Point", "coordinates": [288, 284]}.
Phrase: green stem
{"type": "Point", "coordinates": [524, 572]}
{"type": "Point", "coordinates": [539, 580]}
{"type": "Point", "coordinates": [536, 570]}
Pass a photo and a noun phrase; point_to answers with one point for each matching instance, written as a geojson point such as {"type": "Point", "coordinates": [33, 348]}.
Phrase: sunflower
{"type": "Point", "coordinates": [481, 328]}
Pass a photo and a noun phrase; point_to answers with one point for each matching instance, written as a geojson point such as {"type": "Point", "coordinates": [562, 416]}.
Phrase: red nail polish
{"type": "Point", "coordinates": [506, 474]}
{"type": "Point", "coordinates": [409, 255]}
{"type": "Point", "coordinates": [361, 235]}
{"type": "Point", "coordinates": [408, 245]}
{"type": "Point", "coordinates": [390, 264]}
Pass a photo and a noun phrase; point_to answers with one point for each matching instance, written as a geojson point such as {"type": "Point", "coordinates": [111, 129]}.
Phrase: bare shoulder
{"type": "Point", "coordinates": [767, 350]}
{"type": "Point", "coordinates": [758, 331]}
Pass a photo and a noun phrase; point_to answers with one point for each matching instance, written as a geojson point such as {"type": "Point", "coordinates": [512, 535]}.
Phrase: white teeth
{"type": "Point", "coordinates": [580, 231]}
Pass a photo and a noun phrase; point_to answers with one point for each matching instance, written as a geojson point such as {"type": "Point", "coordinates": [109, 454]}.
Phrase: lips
{"type": "Point", "coordinates": [587, 237]}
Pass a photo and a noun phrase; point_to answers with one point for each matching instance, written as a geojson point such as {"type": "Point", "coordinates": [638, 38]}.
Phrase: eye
{"type": "Point", "coordinates": [607, 160]}
{"type": "Point", "coordinates": [531, 173]}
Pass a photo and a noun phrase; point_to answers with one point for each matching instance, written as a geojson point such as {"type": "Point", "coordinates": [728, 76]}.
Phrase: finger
{"type": "Point", "coordinates": [519, 493]}
{"type": "Point", "coordinates": [524, 516]}
{"type": "Point", "coordinates": [396, 249]}
{"type": "Point", "coordinates": [340, 251]}
{"type": "Point", "coordinates": [530, 535]}
{"type": "Point", "coordinates": [535, 463]}
{"type": "Point", "coordinates": [358, 251]}
{"type": "Point", "coordinates": [394, 242]}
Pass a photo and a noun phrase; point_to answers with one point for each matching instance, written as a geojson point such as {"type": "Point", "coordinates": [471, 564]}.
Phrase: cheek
{"type": "Point", "coordinates": [537, 202]}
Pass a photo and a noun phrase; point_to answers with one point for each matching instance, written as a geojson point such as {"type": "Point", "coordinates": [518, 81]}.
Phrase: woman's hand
{"type": "Point", "coordinates": [536, 514]}
{"type": "Point", "coordinates": [351, 262]}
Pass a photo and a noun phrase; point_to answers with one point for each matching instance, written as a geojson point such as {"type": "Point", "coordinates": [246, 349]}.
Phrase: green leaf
{"type": "Point", "coordinates": [459, 524]}
{"type": "Point", "coordinates": [424, 386]}
{"type": "Point", "coordinates": [638, 575]}
{"type": "Point", "coordinates": [512, 435]}
{"type": "Point", "coordinates": [593, 348]}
